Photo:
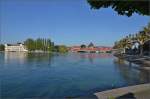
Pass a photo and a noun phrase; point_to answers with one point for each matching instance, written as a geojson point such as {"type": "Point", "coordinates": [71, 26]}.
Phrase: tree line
{"type": "Point", "coordinates": [39, 44]}
{"type": "Point", "coordinates": [140, 37]}
{"type": "Point", "coordinates": [43, 44]}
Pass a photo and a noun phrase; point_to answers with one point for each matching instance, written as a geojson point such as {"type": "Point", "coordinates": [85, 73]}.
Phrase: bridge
{"type": "Point", "coordinates": [91, 49]}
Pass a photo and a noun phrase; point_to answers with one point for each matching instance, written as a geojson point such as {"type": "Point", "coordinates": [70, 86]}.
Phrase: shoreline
{"type": "Point", "coordinates": [140, 91]}
{"type": "Point", "coordinates": [40, 52]}
{"type": "Point", "coordinates": [139, 60]}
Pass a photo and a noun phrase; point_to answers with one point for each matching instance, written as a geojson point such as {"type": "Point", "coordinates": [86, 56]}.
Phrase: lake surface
{"type": "Point", "coordinates": [25, 75]}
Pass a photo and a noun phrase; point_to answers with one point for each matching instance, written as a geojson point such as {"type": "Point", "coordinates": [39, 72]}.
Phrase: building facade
{"type": "Point", "coordinates": [15, 48]}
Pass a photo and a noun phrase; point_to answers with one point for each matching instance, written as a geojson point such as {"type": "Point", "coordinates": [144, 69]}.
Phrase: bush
{"type": "Point", "coordinates": [2, 47]}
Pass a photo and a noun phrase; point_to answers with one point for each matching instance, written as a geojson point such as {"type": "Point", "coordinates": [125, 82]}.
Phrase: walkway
{"type": "Point", "coordinates": [141, 91]}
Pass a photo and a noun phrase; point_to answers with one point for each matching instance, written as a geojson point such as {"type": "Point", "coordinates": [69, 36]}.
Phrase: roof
{"type": "Point", "coordinates": [18, 44]}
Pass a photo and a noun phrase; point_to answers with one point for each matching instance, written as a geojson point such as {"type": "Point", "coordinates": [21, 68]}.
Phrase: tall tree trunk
{"type": "Point", "coordinates": [141, 50]}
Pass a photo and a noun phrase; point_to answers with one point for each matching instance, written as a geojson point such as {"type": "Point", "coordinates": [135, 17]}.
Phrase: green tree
{"type": "Point", "coordinates": [52, 46]}
{"type": "Point", "coordinates": [123, 7]}
{"type": "Point", "coordinates": [48, 44]}
{"type": "Point", "coordinates": [56, 48]}
{"type": "Point", "coordinates": [39, 44]}
{"type": "Point", "coordinates": [2, 47]}
{"type": "Point", "coordinates": [146, 29]}
{"type": "Point", "coordinates": [141, 37]}
{"type": "Point", "coordinates": [83, 46]}
{"type": "Point", "coordinates": [63, 49]}
{"type": "Point", "coordinates": [30, 44]}
{"type": "Point", "coordinates": [44, 45]}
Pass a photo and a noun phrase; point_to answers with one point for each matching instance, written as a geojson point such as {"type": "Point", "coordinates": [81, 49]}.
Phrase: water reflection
{"type": "Point", "coordinates": [45, 75]}
{"type": "Point", "coordinates": [92, 56]}
{"type": "Point", "coordinates": [130, 72]}
{"type": "Point", "coordinates": [22, 58]}
{"type": "Point", "coordinates": [39, 57]}
{"type": "Point", "coordinates": [95, 55]}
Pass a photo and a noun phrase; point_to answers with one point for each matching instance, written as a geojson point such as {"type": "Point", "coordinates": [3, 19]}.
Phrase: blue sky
{"type": "Point", "coordinates": [69, 22]}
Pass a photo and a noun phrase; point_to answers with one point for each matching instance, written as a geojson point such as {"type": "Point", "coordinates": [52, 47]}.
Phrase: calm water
{"type": "Point", "coordinates": [25, 75]}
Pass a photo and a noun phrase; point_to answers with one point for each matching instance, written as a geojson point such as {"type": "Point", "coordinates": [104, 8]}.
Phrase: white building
{"type": "Point", "coordinates": [15, 47]}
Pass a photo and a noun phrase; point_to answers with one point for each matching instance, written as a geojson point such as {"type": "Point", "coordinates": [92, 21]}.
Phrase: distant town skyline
{"type": "Point", "coordinates": [69, 22]}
